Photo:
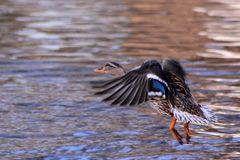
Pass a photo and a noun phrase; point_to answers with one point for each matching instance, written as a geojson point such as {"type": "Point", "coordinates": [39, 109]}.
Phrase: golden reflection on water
{"type": "Point", "coordinates": [156, 23]}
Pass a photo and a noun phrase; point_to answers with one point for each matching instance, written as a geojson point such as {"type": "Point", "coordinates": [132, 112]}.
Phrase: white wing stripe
{"type": "Point", "coordinates": [153, 76]}
{"type": "Point", "coordinates": [155, 94]}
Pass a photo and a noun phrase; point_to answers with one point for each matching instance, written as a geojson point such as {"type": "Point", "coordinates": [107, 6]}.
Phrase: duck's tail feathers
{"type": "Point", "coordinates": [208, 113]}
{"type": "Point", "coordinates": [208, 116]}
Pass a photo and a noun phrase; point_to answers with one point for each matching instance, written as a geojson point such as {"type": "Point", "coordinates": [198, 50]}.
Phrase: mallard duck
{"type": "Point", "coordinates": [163, 85]}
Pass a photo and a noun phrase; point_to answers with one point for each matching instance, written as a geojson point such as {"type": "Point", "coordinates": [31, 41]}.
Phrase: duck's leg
{"type": "Point", "coordinates": [174, 132]}
{"type": "Point", "coordinates": [187, 132]}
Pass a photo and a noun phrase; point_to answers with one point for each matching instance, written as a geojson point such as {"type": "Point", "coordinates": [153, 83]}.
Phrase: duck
{"type": "Point", "coordinates": [161, 84]}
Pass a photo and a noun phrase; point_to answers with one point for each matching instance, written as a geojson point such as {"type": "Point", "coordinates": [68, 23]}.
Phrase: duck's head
{"type": "Point", "coordinates": [111, 68]}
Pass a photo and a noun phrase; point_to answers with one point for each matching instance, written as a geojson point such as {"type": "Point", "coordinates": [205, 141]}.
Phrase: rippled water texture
{"type": "Point", "coordinates": [50, 48]}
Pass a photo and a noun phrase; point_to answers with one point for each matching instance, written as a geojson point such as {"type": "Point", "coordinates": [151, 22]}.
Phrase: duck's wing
{"type": "Point", "coordinates": [185, 108]}
{"type": "Point", "coordinates": [175, 76]}
{"type": "Point", "coordinates": [136, 86]}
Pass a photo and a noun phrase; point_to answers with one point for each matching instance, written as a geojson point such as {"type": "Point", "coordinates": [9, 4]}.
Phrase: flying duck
{"type": "Point", "coordinates": [163, 85]}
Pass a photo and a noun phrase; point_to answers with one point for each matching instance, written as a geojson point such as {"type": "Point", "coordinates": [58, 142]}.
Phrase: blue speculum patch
{"type": "Point", "coordinates": [157, 86]}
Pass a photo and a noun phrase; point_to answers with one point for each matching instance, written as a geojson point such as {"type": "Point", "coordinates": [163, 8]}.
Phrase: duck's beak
{"type": "Point", "coordinates": [100, 70]}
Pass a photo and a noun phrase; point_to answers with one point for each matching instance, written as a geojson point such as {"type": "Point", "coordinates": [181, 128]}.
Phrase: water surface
{"type": "Point", "coordinates": [50, 48]}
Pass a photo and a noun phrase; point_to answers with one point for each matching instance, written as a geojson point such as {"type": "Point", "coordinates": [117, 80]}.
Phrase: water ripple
{"type": "Point", "coordinates": [49, 50]}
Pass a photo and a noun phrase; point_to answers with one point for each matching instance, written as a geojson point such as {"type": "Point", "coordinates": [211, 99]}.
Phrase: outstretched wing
{"type": "Point", "coordinates": [185, 108]}
{"type": "Point", "coordinates": [175, 76]}
{"type": "Point", "coordinates": [136, 86]}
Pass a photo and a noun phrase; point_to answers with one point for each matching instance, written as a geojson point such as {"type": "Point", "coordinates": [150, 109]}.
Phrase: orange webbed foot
{"type": "Point", "coordinates": [174, 132]}
{"type": "Point", "coordinates": [187, 132]}
{"type": "Point", "coordinates": [176, 135]}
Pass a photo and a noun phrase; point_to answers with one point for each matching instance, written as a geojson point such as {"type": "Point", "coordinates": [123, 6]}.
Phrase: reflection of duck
{"type": "Point", "coordinates": [163, 85]}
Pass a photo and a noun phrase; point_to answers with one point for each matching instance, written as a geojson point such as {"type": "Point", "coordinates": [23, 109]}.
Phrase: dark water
{"type": "Point", "coordinates": [50, 48]}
